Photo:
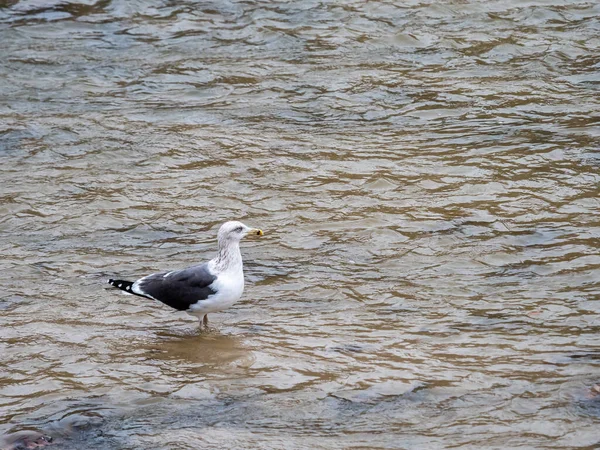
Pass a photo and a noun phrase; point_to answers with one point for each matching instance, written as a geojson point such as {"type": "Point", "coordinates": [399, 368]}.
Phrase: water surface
{"type": "Point", "coordinates": [427, 177]}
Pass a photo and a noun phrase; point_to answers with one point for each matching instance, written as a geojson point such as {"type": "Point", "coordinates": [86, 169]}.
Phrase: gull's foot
{"type": "Point", "coordinates": [204, 327]}
{"type": "Point", "coordinates": [208, 329]}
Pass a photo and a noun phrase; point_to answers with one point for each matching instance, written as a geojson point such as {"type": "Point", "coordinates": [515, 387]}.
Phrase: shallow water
{"type": "Point", "coordinates": [427, 177]}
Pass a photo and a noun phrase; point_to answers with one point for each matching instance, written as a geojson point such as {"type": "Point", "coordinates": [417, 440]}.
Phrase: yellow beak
{"type": "Point", "coordinates": [256, 232]}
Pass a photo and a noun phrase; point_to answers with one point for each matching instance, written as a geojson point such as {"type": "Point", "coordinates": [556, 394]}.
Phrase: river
{"type": "Point", "coordinates": [427, 178]}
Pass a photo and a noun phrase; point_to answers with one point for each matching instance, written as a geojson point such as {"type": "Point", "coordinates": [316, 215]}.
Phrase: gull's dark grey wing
{"type": "Point", "coordinates": [179, 289]}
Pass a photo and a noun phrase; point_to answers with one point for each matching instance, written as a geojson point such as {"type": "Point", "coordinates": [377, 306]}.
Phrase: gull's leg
{"type": "Point", "coordinates": [205, 320]}
{"type": "Point", "coordinates": [202, 320]}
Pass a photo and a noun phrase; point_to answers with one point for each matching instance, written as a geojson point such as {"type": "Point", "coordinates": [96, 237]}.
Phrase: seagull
{"type": "Point", "coordinates": [204, 288]}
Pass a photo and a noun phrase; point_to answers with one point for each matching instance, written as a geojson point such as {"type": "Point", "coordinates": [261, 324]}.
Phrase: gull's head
{"type": "Point", "coordinates": [234, 231]}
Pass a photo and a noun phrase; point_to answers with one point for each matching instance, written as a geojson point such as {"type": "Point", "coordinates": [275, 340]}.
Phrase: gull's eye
{"type": "Point", "coordinates": [238, 230]}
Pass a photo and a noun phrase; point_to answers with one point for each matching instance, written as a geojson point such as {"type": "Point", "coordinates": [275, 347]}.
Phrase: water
{"type": "Point", "coordinates": [427, 177]}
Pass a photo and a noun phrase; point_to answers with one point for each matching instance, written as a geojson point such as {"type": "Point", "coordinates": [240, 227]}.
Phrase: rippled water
{"type": "Point", "coordinates": [426, 174]}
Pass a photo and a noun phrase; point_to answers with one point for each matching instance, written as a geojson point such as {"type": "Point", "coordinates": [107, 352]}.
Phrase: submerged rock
{"type": "Point", "coordinates": [24, 440]}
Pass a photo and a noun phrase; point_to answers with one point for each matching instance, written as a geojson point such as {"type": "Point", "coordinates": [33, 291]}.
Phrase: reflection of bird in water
{"type": "Point", "coordinates": [202, 289]}
{"type": "Point", "coordinates": [222, 352]}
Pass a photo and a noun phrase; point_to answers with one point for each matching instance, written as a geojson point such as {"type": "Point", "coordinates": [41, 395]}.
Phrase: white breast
{"type": "Point", "coordinates": [229, 287]}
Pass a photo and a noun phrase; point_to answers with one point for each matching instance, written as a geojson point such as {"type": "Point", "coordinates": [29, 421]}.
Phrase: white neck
{"type": "Point", "coordinates": [229, 256]}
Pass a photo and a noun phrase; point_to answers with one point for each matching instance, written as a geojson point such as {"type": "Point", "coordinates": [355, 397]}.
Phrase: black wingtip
{"type": "Point", "coordinates": [110, 281]}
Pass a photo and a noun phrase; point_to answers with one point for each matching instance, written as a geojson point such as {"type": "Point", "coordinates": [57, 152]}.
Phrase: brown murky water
{"type": "Point", "coordinates": [428, 177]}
